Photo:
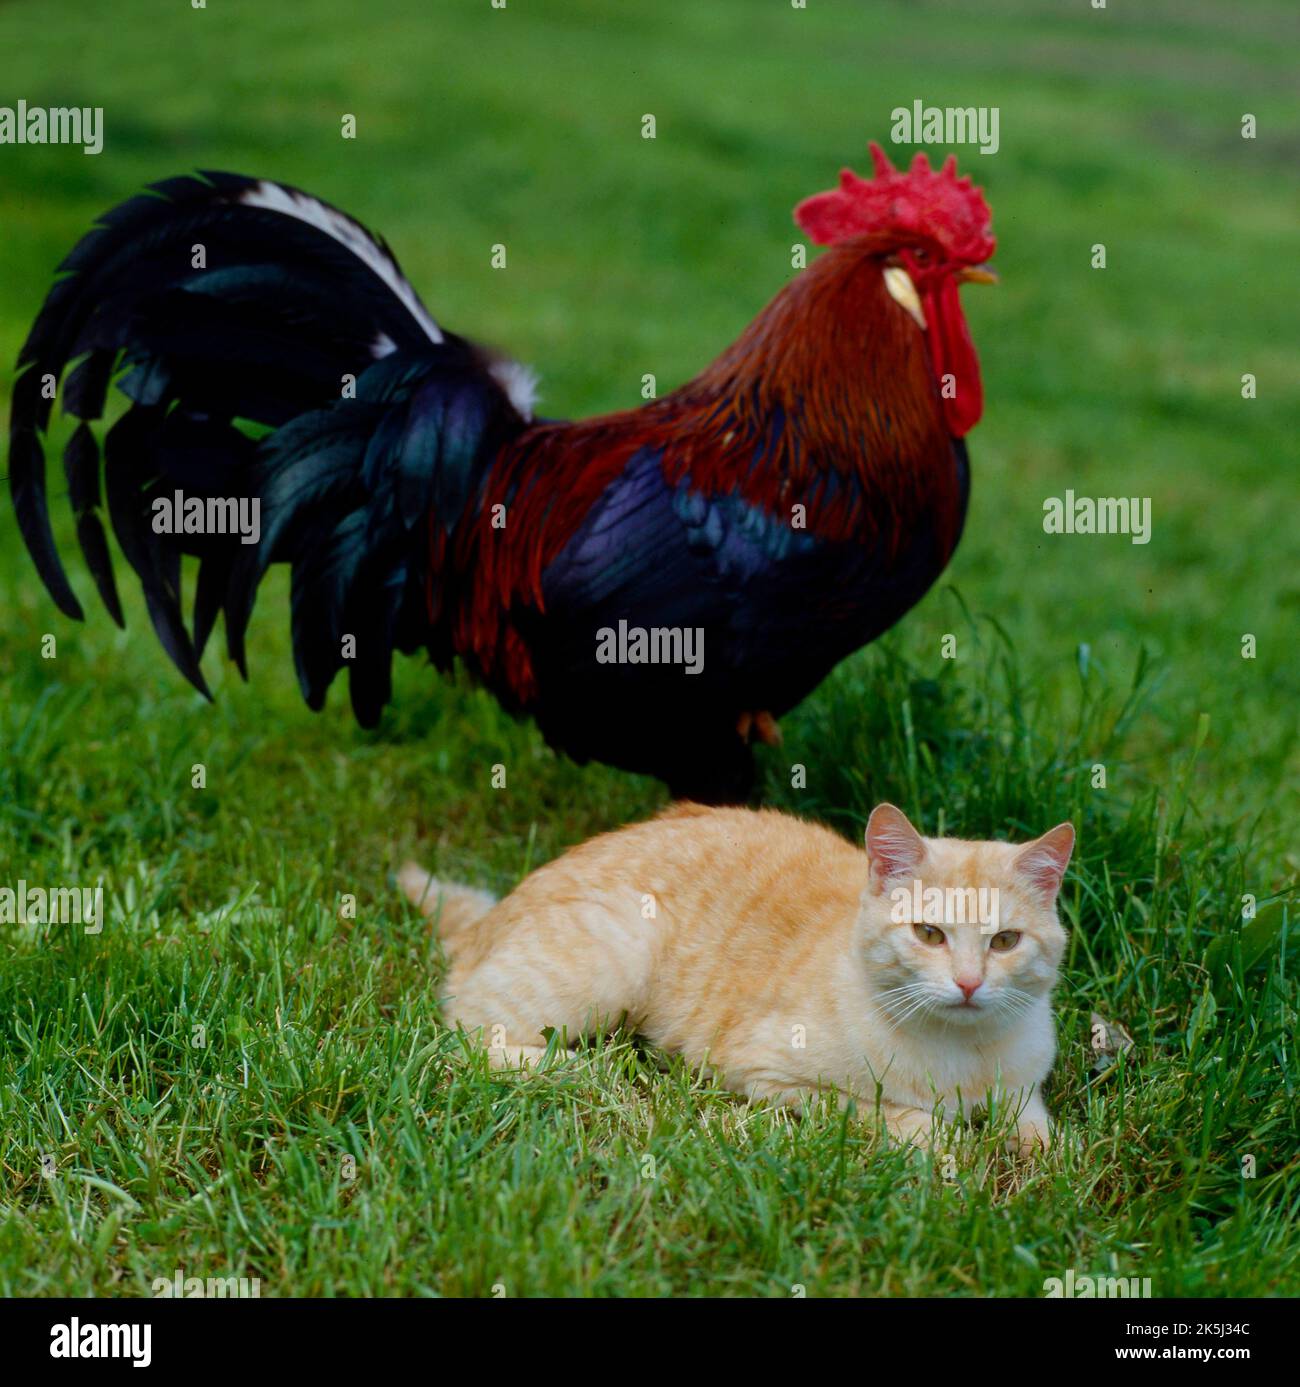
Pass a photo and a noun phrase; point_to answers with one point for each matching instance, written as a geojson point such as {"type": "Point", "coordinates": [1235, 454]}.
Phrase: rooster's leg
{"type": "Point", "coordinates": [763, 727]}
{"type": "Point", "coordinates": [712, 766]}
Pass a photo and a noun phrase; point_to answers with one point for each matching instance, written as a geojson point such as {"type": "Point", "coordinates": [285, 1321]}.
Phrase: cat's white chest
{"type": "Point", "coordinates": [958, 1065]}
{"type": "Point", "coordinates": [785, 1056]}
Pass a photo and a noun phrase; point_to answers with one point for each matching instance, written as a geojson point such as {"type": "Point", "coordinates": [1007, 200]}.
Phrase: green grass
{"type": "Point", "coordinates": [321, 1035]}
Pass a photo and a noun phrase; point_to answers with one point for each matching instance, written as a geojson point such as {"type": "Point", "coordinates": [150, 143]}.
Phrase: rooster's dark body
{"type": "Point", "coordinates": [790, 503]}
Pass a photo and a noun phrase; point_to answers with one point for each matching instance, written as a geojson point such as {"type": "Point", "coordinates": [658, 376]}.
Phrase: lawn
{"type": "Point", "coordinates": [241, 1077]}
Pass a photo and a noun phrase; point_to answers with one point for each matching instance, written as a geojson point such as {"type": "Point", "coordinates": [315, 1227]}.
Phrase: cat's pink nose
{"type": "Point", "coordinates": [968, 986]}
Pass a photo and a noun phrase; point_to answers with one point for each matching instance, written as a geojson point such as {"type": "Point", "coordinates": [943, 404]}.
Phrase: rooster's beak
{"type": "Point", "coordinates": [976, 274]}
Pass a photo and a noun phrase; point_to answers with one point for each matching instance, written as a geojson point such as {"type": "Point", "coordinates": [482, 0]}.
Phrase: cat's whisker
{"type": "Point", "coordinates": [906, 987]}
{"type": "Point", "coordinates": [1016, 998]}
{"type": "Point", "coordinates": [921, 1005]}
{"type": "Point", "coordinates": [1013, 1004]}
{"type": "Point", "coordinates": [904, 992]}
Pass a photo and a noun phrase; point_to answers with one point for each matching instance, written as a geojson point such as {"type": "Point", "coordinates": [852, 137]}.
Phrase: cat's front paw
{"type": "Point", "coordinates": [525, 1057]}
{"type": "Point", "coordinates": [911, 1127]}
{"type": "Point", "coordinates": [1030, 1138]}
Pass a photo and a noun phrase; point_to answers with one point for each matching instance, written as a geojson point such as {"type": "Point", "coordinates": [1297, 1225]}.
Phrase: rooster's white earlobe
{"type": "Point", "coordinates": [893, 845]}
{"type": "Point", "coordinates": [1042, 863]}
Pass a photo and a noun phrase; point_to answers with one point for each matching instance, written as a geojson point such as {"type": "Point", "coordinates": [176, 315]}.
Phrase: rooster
{"type": "Point", "coordinates": [777, 512]}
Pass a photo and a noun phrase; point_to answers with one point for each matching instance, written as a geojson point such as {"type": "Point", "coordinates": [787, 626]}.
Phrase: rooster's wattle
{"type": "Point", "coordinates": [782, 509]}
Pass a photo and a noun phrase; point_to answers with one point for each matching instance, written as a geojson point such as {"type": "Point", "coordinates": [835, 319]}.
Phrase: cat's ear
{"type": "Point", "coordinates": [893, 845]}
{"type": "Point", "coordinates": [1042, 863]}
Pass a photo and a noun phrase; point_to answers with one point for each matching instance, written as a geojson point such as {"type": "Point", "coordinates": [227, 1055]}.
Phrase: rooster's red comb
{"type": "Point", "coordinates": [938, 207]}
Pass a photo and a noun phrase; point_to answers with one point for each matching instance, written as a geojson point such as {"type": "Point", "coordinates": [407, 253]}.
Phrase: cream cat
{"type": "Point", "coordinates": [782, 955]}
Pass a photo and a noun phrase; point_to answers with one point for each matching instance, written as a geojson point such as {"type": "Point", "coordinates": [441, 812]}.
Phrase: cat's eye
{"type": "Point", "coordinates": [1004, 940]}
{"type": "Point", "coordinates": [928, 934]}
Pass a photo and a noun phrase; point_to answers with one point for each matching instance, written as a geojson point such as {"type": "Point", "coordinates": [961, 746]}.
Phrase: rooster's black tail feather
{"type": "Point", "coordinates": [236, 315]}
